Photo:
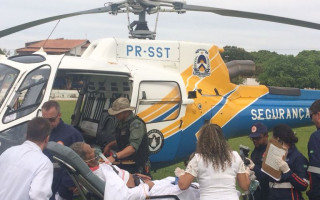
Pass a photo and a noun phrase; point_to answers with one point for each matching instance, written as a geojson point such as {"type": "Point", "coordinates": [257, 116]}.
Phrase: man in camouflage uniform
{"type": "Point", "coordinates": [130, 138]}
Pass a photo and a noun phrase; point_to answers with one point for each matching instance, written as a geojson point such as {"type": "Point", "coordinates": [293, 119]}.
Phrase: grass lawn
{"type": "Point", "coordinates": [302, 133]}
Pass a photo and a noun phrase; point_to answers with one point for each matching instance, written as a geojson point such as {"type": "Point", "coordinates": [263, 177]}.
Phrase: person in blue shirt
{"type": "Point", "coordinates": [294, 169]}
{"type": "Point", "coordinates": [259, 137]}
{"type": "Point", "coordinates": [314, 153]}
{"type": "Point", "coordinates": [65, 135]}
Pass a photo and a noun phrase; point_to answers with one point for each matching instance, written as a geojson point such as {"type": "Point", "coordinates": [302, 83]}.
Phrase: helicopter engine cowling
{"type": "Point", "coordinates": [241, 67]}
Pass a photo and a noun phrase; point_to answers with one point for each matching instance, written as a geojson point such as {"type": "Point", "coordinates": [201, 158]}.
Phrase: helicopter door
{"type": "Point", "coordinates": [160, 106]}
{"type": "Point", "coordinates": [32, 89]}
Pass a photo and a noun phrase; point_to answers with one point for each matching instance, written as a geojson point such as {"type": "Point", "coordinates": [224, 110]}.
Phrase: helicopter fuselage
{"type": "Point", "coordinates": [176, 87]}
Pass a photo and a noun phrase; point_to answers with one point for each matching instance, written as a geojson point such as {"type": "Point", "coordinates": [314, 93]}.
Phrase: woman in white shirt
{"type": "Point", "coordinates": [216, 166]}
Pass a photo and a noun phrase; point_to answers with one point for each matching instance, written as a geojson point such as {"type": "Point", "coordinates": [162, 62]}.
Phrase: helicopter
{"type": "Point", "coordinates": [175, 86]}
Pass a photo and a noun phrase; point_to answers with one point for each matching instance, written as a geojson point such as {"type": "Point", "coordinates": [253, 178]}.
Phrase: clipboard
{"type": "Point", "coordinates": [274, 149]}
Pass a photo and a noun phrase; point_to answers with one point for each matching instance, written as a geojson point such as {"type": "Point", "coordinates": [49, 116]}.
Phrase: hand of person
{"type": "Point", "coordinates": [251, 164]}
{"type": "Point", "coordinates": [248, 170]}
{"type": "Point", "coordinates": [144, 177]}
{"type": "Point", "coordinates": [283, 165]}
{"type": "Point", "coordinates": [179, 172]}
{"type": "Point", "coordinates": [74, 190]}
{"type": "Point", "coordinates": [149, 183]}
{"type": "Point", "coordinates": [251, 174]}
{"type": "Point", "coordinates": [111, 159]}
{"type": "Point", "coordinates": [106, 150]}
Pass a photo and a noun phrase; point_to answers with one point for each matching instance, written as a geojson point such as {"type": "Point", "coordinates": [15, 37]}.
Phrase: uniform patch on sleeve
{"type": "Point", "coordinates": [136, 125]}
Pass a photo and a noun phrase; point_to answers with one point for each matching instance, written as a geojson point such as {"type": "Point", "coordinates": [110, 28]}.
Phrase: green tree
{"type": "Point", "coordinates": [301, 71]}
{"type": "Point", "coordinates": [272, 69]}
{"type": "Point", "coordinates": [275, 72]}
{"type": "Point", "coordinates": [259, 57]}
{"type": "Point", "coordinates": [309, 63]}
{"type": "Point", "coordinates": [234, 53]}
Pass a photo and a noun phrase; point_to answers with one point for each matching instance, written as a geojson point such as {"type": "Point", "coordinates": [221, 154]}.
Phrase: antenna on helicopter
{"type": "Point", "coordinates": [54, 28]}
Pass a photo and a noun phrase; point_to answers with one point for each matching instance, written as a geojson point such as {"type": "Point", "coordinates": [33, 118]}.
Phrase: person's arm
{"type": "Point", "coordinates": [143, 177]}
{"type": "Point", "coordinates": [185, 181]}
{"type": "Point", "coordinates": [140, 192]}
{"type": "Point", "coordinates": [137, 132]}
{"type": "Point", "coordinates": [40, 188]}
{"type": "Point", "coordinates": [242, 174]}
{"type": "Point", "coordinates": [186, 178]}
{"type": "Point", "coordinates": [243, 181]}
{"type": "Point", "coordinates": [115, 187]}
{"type": "Point", "coordinates": [129, 150]}
{"type": "Point", "coordinates": [297, 176]}
{"type": "Point", "coordinates": [256, 158]}
{"type": "Point", "coordinates": [314, 150]}
{"type": "Point", "coordinates": [107, 148]}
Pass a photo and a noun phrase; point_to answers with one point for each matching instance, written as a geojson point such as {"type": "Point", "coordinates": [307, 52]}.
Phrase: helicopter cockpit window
{"type": "Point", "coordinates": [29, 95]}
{"type": "Point", "coordinates": [34, 58]}
{"type": "Point", "coordinates": [159, 101]}
{"type": "Point", "coordinates": [7, 77]}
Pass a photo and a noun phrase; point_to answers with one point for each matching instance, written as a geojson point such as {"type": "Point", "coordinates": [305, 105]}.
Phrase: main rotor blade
{"type": "Point", "coordinates": [250, 15]}
{"type": "Point", "coordinates": [50, 19]}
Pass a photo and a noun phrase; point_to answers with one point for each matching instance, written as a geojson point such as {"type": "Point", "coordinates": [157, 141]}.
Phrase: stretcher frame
{"type": "Point", "coordinates": [90, 186]}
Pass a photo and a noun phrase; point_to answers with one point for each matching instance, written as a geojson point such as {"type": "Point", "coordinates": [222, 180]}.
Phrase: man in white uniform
{"type": "Point", "coordinates": [26, 173]}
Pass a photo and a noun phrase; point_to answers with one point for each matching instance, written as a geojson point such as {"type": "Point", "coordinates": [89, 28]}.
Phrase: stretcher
{"type": "Point", "coordinates": [90, 186]}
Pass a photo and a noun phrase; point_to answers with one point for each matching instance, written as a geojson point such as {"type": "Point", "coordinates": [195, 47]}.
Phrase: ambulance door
{"type": "Point", "coordinates": [31, 90]}
{"type": "Point", "coordinates": [160, 106]}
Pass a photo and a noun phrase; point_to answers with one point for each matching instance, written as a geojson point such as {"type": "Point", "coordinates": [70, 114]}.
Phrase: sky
{"type": "Point", "coordinates": [252, 35]}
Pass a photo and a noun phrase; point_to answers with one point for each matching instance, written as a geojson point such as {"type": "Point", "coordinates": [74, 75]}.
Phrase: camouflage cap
{"type": "Point", "coordinates": [119, 105]}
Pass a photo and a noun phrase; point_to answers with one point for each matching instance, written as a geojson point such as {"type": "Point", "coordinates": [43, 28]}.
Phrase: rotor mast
{"type": "Point", "coordinates": [141, 29]}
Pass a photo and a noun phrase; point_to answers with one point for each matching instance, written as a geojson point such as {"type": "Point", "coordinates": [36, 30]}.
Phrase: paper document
{"type": "Point", "coordinates": [274, 151]}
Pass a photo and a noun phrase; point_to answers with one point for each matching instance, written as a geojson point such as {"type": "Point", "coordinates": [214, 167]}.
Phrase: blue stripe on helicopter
{"type": "Point", "coordinates": [271, 110]}
{"type": "Point", "coordinates": [166, 114]}
{"type": "Point", "coordinates": [170, 149]}
{"type": "Point", "coordinates": [241, 123]}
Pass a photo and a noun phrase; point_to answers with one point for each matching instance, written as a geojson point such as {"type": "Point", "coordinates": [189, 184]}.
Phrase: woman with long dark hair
{"type": "Point", "coordinates": [294, 168]}
{"type": "Point", "coordinates": [216, 166]}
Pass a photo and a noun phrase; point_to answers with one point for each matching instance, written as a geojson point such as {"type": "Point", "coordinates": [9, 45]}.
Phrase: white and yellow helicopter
{"type": "Point", "coordinates": [175, 86]}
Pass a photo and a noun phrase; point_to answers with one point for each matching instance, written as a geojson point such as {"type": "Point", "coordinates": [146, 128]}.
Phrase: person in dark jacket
{"type": "Point", "coordinates": [314, 153]}
{"type": "Point", "coordinates": [294, 169]}
{"type": "Point", "coordinates": [259, 137]}
{"type": "Point", "coordinates": [66, 135]}
{"type": "Point", "coordinates": [130, 138]}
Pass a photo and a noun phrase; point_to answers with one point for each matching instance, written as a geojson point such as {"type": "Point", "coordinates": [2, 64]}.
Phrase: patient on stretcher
{"type": "Point", "coordinates": [120, 184]}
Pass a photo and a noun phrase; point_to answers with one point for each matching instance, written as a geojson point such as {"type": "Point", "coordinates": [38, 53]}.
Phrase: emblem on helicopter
{"type": "Point", "coordinates": [201, 66]}
{"type": "Point", "coordinates": [156, 141]}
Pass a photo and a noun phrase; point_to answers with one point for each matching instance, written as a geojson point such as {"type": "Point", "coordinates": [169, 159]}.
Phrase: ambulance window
{"type": "Point", "coordinates": [7, 77]}
{"type": "Point", "coordinates": [158, 101]}
{"type": "Point", "coordinates": [29, 95]}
